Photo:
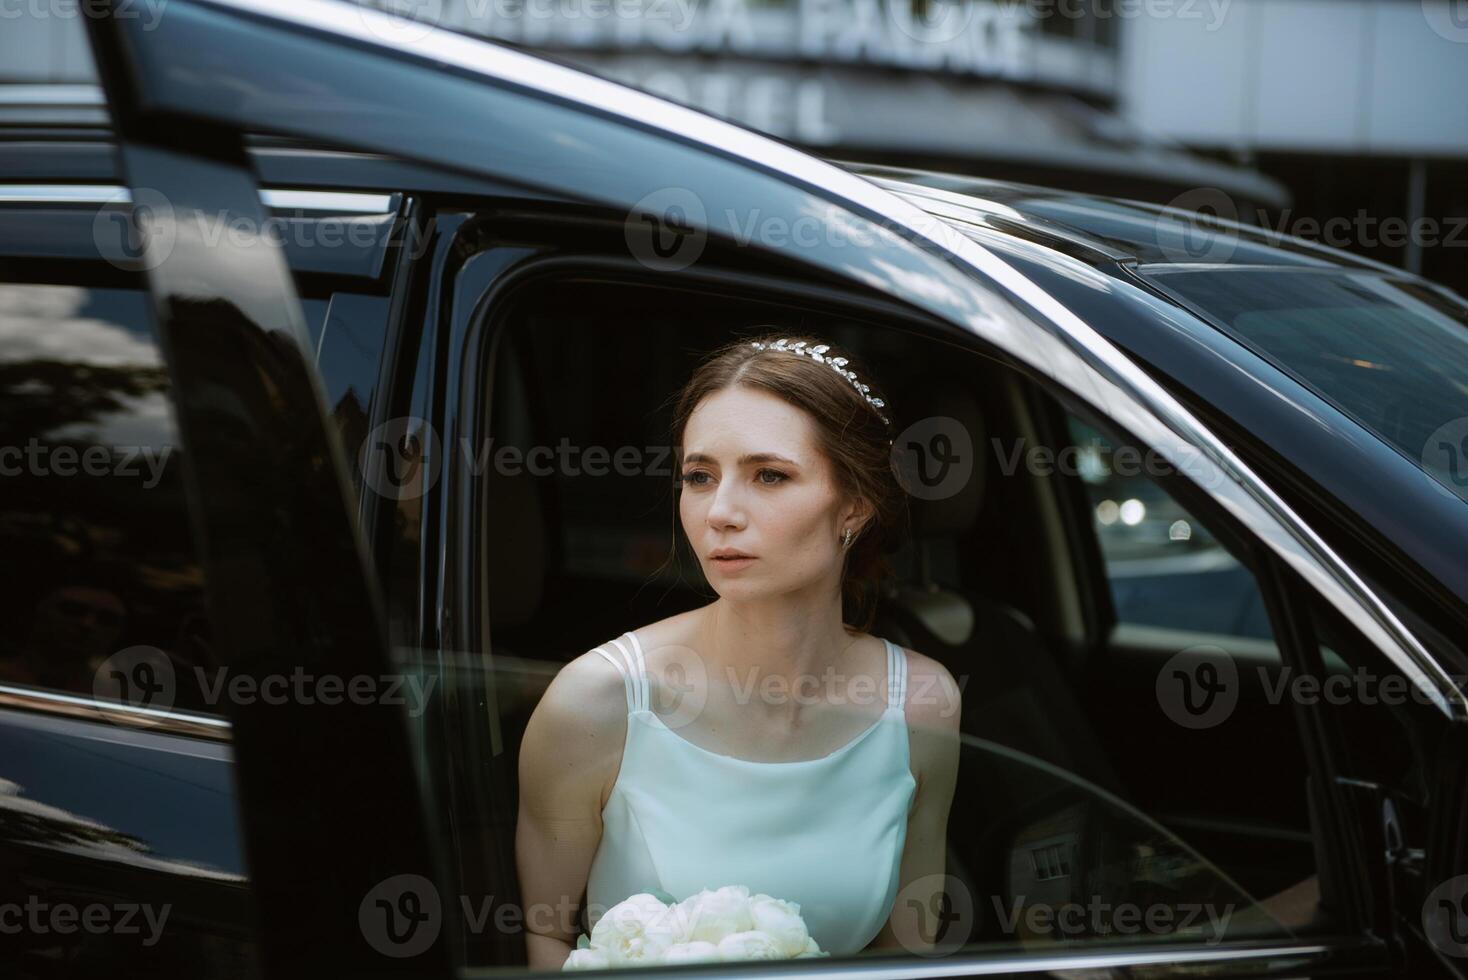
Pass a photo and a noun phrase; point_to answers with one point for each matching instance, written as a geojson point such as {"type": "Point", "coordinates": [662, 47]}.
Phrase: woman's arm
{"type": "Point", "coordinates": [568, 759]}
{"type": "Point", "coordinates": [933, 713]}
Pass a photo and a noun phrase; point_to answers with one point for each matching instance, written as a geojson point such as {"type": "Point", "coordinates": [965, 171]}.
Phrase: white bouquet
{"type": "Point", "coordinates": [721, 925]}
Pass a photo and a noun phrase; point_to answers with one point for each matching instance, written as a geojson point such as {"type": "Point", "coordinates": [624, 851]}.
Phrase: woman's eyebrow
{"type": "Point", "coordinates": [744, 460]}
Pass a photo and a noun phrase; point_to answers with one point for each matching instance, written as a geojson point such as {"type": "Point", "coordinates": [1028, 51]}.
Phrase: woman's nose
{"type": "Point", "coordinates": [726, 510]}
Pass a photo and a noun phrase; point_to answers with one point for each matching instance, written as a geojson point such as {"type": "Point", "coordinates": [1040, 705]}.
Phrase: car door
{"type": "Point", "coordinates": [342, 850]}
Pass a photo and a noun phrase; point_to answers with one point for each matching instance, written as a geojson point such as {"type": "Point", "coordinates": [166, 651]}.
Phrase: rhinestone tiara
{"type": "Point", "coordinates": [837, 364]}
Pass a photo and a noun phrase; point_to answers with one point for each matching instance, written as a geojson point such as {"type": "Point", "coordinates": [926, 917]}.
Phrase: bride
{"type": "Point", "coordinates": [758, 740]}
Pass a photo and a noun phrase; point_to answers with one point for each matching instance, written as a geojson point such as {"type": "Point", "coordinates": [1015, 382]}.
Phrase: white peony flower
{"type": "Point", "coordinates": [588, 958]}
{"type": "Point", "coordinates": [781, 921]}
{"type": "Point", "coordinates": [637, 930]}
{"type": "Point", "coordinates": [715, 914]}
{"type": "Point", "coordinates": [811, 949]}
{"type": "Point", "coordinates": [750, 945]}
{"type": "Point", "coordinates": [697, 951]}
{"type": "Point", "coordinates": [725, 924]}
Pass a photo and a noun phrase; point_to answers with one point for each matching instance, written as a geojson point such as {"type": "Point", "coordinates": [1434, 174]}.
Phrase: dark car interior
{"type": "Point", "coordinates": [1001, 582]}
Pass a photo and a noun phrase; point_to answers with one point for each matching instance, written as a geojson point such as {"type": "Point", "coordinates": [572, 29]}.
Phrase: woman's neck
{"type": "Point", "coordinates": [788, 640]}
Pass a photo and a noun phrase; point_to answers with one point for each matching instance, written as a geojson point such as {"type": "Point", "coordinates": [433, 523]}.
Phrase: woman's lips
{"type": "Point", "coordinates": [733, 564]}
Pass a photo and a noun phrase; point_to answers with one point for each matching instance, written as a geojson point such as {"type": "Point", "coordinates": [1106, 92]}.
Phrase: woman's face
{"type": "Point", "coordinates": [754, 482]}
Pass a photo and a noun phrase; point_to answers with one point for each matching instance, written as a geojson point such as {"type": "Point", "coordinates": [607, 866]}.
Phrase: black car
{"type": "Point", "coordinates": [333, 354]}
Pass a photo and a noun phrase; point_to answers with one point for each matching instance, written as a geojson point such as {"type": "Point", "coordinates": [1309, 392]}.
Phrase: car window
{"type": "Point", "coordinates": [347, 333]}
{"type": "Point", "coordinates": [1190, 669]}
{"type": "Point", "coordinates": [1043, 846]}
{"type": "Point", "coordinates": [1163, 566]}
{"type": "Point", "coordinates": [1392, 355]}
{"type": "Point", "coordinates": [106, 591]}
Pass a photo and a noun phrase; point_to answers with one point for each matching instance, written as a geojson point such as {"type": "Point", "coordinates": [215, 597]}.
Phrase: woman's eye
{"type": "Point", "coordinates": [692, 478]}
{"type": "Point", "coordinates": [779, 477]}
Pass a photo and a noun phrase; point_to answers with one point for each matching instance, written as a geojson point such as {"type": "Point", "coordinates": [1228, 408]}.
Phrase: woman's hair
{"type": "Point", "coordinates": [850, 433]}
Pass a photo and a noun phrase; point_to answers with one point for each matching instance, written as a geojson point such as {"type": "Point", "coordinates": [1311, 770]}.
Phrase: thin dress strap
{"type": "Point", "coordinates": [896, 676]}
{"type": "Point", "coordinates": [632, 665]}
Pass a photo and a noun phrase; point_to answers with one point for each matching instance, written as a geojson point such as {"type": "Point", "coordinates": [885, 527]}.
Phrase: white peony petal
{"type": "Point", "coordinates": [694, 952]}
{"type": "Point", "coordinates": [587, 959]}
{"type": "Point", "coordinates": [749, 945]}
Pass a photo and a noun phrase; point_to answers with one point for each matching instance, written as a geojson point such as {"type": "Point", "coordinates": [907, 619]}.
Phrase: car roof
{"type": "Point", "coordinates": [1102, 230]}
{"type": "Point", "coordinates": [1095, 228]}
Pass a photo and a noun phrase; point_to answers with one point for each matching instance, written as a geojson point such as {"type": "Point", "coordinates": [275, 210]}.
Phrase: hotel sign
{"type": "Point", "coordinates": [966, 37]}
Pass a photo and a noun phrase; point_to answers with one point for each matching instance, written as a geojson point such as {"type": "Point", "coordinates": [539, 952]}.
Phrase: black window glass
{"type": "Point", "coordinates": [104, 584]}
{"type": "Point", "coordinates": [1392, 355]}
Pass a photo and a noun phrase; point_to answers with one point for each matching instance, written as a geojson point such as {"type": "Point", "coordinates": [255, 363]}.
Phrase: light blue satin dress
{"type": "Point", "coordinates": [826, 833]}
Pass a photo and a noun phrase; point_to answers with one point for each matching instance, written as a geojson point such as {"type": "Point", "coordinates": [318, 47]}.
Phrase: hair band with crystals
{"type": "Point", "coordinates": [837, 364]}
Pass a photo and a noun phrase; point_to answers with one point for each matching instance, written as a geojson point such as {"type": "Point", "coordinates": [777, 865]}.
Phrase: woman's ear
{"type": "Point", "coordinates": [857, 515]}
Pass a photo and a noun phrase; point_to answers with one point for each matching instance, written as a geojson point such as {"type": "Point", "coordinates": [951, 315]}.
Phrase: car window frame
{"type": "Point", "coordinates": [475, 325]}
{"type": "Point", "coordinates": [1107, 376]}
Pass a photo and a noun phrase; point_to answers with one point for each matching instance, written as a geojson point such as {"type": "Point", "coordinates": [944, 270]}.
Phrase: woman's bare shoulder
{"type": "Point", "coordinates": [934, 699]}
{"type": "Point", "coordinates": [586, 696]}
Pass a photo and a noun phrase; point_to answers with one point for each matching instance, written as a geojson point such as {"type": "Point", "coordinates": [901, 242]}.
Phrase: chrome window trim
{"type": "Point", "coordinates": [1075, 355]}
{"type": "Point", "coordinates": [52, 94]}
{"type": "Point", "coordinates": [72, 706]}
{"type": "Point", "coordinates": [63, 194]}
{"type": "Point", "coordinates": [1005, 962]}
{"type": "Point", "coordinates": [326, 202]}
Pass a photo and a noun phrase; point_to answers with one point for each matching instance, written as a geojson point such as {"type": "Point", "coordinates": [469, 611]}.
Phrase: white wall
{"type": "Point", "coordinates": [1347, 76]}
{"type": "Point", "coordinates": [47, 48]}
